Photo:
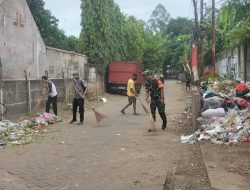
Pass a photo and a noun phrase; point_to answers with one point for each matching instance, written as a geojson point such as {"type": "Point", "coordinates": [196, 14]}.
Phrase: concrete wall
{"type": "Point", "coordinates": [21, 96]}
{"type": "Point", "coordinates": [247, 62]}
{"type": "Point", "coordinates": [235, 61]}
{"type": "Point", "coordinates": [230, 62]}
{"type": "Point", "coordinates": [21, 45]}
{"type": "Point", "coordinates": [22, 49]}
{"type": "Point", "coordinates": [62, 64]}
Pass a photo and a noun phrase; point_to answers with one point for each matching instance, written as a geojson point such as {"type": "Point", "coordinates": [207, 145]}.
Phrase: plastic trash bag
{"type": "Point", "coordinates": [188, 139]}
{"type": "Point", "coordinates": [219, 112]}
{"type": "Point", "coordinates": [48, 117]}
{"type": "Point", "coordinates": [213, 102]}
{"type": "Point", "coordinates": [241, 102]}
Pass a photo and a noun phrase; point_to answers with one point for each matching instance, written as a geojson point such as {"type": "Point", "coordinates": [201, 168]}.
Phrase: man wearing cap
{"type": "Point", "coordinates": [154, 89]}
{"type": "Point", "coordinates": [131, 92]}
{"type": "Point", "coordinates": [52, 98]}
{"type": "Point", "coordinates": [80, 88]}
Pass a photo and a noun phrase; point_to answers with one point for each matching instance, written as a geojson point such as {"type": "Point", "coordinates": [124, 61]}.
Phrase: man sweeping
{"type": "Point", "coordinates": [52, 95]}
{"type": "Point", "coordinates": [131, 92]}
{"type": "Point", "coordinates": [80, 88]}
{"type": "Point", "coordinates": [154, 89]}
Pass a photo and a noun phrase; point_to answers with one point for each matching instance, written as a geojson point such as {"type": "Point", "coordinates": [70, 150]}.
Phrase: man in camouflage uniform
{"type": "Point", "coordinates": [154, 89]}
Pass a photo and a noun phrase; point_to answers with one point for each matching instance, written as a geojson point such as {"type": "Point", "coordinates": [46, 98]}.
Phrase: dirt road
{"type": "Point", "coordinates": [118, 154]}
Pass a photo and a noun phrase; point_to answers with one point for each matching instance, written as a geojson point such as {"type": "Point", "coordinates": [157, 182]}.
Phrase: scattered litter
{"type": "Point", "coordinates": [24, 131]}
{"type": "Point", "coordinates": [123, 149]}
{"type": "Point", "coordinates": [225, 114]}
{"type": "Point", "coordinates": [63, 142]}
{"type": "Point", "coordinates": [104, 100]}
{"type": "Point", "coordinates": [191, 139]}
{"type": "Point", "coordinates": [2, 145]}
{"type": "Point", "coordinates": [118, 134]}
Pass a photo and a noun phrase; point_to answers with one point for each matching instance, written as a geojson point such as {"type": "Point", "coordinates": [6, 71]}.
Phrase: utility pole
{"type": "Point", "coordinates": [196, 20]}
{"type": "Point", "coordinates": [213, 36]}
{"type": "Point", "coordinates": [201, 34]}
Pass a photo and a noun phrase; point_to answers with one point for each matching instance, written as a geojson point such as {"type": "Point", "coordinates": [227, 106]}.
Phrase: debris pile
{"type": "Point", "coordinates": [25, 131]}
{"type": "Point", "coordinates": [225, 114]}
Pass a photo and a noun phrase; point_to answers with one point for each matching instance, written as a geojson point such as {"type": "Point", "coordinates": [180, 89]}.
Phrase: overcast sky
{"type": "Point", "coordinates": [68, 11]}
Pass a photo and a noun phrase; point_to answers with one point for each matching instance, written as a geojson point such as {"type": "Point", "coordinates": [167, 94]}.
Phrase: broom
{"type": "Point", "coordinates": [98, 116]}
{"type": "Point", "coordinates": [38, 104]}
{"type": "Point", "coordinates": [143, 106]}
{"type": "Point", "coordinates": [152, 121]}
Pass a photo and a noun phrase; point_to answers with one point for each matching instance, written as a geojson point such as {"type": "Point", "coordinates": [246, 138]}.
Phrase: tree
{"type": "Point", "coordinates": [154, 51]}
{"type": "Point", "coordinates": [179, 26]}
{"type": "Point", "coordinates": [176, 48]}
{"type": "Point", "coordinates": [47, 25]}
{"type": "Point", "coordinates": [234, 22]}
{"type": "Point", "coordinates": [135, 38]}
{"type": "Point", "coordinates": [102, 32]}
{"type": "Point", "coordinates": [159, 19]}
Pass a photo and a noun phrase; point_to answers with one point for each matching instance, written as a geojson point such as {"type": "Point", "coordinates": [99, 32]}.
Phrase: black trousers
{"type": "Point", "coordinates": [161, 109]}
{"type": "Point", "coordinates": [53, 101]}
{"type": "Point", "coordinates": [78, 102]}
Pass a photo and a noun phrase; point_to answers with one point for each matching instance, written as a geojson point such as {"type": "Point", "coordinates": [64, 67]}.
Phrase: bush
{"type": "Point", "coordinates": [209, 76]}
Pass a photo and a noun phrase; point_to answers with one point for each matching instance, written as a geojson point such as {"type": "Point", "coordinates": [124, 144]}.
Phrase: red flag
{"type": "Point", "coordinates": [194, 63]}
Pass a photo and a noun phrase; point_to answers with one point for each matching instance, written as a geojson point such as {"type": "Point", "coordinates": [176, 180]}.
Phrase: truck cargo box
{"type": "Point", "coordinates": [119, 72]}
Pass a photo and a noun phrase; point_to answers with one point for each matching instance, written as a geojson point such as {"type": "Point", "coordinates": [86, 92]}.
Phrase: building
{"type": "Point", "coordinates": [24, 59]}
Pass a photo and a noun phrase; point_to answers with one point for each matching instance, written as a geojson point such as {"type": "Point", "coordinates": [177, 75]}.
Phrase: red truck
{"type": "Point", "coordinates": [119, 72]}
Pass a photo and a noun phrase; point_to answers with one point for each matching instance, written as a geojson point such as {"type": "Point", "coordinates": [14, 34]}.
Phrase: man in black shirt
{"type": "Point", "coordinates": [80, 88]}
{"type": "Point", "coordinates": [154, 89]}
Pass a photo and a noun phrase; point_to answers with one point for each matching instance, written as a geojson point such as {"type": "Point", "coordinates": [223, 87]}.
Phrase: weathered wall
{"type": "Point", "coordinates": [21, 96]}
{"type": "Point", "coordinates": [236, 61]}
{"type": "Point", "coordinates": [230, 62]}
{"type": "Point", "coordinates": [21, 45]}
{"type": "Point", "coordinates": [22, 49]}
{"type": "Point", "coordinates": [62, 64]}
{"type": "Point", "coordinates": [247, 63]}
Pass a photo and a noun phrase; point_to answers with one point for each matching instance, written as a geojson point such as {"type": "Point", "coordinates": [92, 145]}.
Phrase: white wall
{"type": "Point", "coordinates": [21, 45]}
{"type": "Point", "coordinates": [60, 61]}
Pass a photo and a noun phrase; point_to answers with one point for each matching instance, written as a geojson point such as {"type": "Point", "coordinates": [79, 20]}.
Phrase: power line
{"type": "Point", "coordinates": [2, 3]}
{"type": "Point", "coordinates": [216, 3]}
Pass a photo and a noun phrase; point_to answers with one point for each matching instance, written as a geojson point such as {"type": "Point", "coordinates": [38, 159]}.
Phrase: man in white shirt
{"type": "Point", "coordinates": [52, 95]}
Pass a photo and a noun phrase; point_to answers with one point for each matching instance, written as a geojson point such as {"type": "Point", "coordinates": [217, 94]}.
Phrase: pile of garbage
{"type": "Point", "coordinates": [225, 114]}
{"type": "Point", "coordinates": [25, 131]}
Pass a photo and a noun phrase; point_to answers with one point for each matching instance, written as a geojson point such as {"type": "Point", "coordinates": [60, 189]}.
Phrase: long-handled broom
{"type": "Point", "coordinates": [143, 106]}
{"type": "Point", "coordinates": [38, 104]}
{"type": "Point", "coordinates": [98, 116]}
{"type": "Point", "coordinates": [152, 121]}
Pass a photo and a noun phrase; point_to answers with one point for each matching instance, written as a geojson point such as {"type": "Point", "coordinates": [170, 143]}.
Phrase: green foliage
{"type": "Point", "coordinates": [159, 19]}
{"type": "Point", "coordinates": [135, 39]}
{"type": "Point", "coordinates": [102, 32]}
{"type": "Point", "coordinates": [179, 26]}
{"type": "Point", "coordinates": [48, 27]}
{"type": "Point", "coordinates": [234, 22]}
{"type": "Point", "coordinates": [108, 35]}
{"type": "Point", "coordinates": [154, 52]}
{"type": "Point", "coordinates": [176, 48]}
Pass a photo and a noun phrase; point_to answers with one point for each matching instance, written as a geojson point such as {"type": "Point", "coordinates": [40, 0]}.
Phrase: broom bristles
{"type": "Point", "coordinates": [143, 106]}
{"type": "Point", "coordinates": [37, 106]}
{"type": "Point", "coordinates": [99, 117]}
{"type": "Point", "coordinates": [152, 121]}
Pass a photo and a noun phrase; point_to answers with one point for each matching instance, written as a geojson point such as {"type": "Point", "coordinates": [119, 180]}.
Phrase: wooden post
{"type": "Point", "coordinates": [196, 105]}
{"type": "Point", "coordinates": [28, 96]}
{"type": "Point", "coordinates": [29, 93]}
{"type": "Point", "coordinates": [1, 89]}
